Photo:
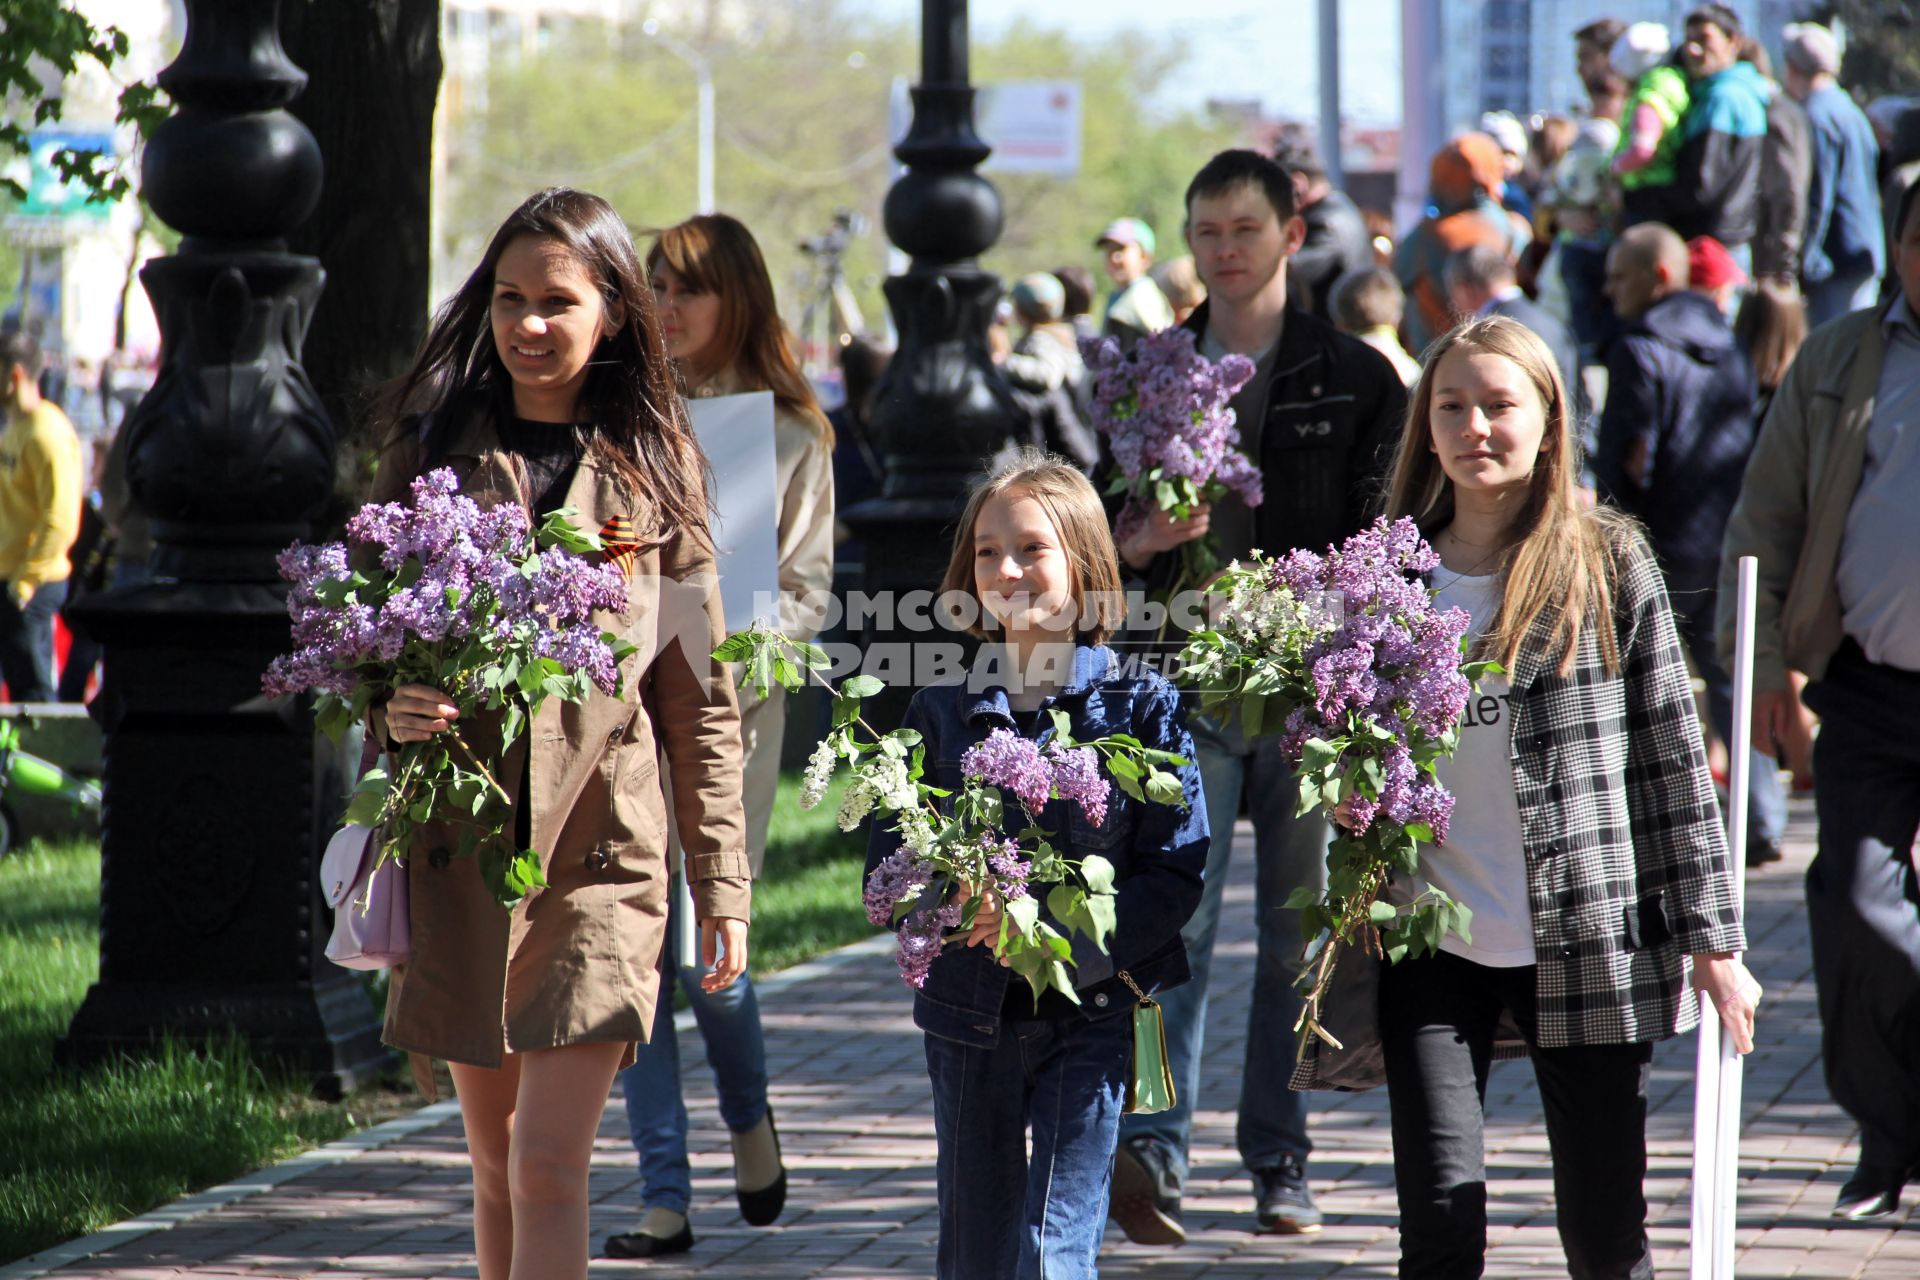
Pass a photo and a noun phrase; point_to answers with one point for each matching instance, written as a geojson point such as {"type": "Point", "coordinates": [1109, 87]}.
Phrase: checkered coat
{"type": "Point", "coordinates": [1628, 871]}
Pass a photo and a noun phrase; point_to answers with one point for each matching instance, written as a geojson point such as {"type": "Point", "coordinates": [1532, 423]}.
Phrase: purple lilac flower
{"type": "Point", "coordinates": [921, 935]}
{"type": "Point", "coordinates": [1007, 868]}
{"type": "Point", "coordinates": [1164, 405]}
{"type": "Point", "coordinates": [1077, 777]}
{"type": "Point", "coordinates": [901, 875]}
{"type": "Point", "coordinates": [1006, 760]}
{"type": "Point", "coordinates": [462, 565]}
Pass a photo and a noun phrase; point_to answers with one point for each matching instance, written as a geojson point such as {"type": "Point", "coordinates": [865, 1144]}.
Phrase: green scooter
{"type": "Point", "coordinates": [23, 773]}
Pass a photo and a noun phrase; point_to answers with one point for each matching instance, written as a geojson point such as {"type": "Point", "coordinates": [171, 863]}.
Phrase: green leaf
{"type": "Point", "coordinates": [1131, 786]}
{"type": "Point", "coordinates": [1102, 908]}
{"type": "Point", "coordinates": [1124, 767]}
{"type": "Point", "coordinates": [811, 654]}
{"type": "Point", "coordinates": [735, 648]}
{"type": "Point", "coordinates": [1379, 912]}
{"type": "Point", "coordinates": [1420, 831]}
{"type": "Point", "coordinates": [861, 686]}
{"type": "Point", "coordinates": [1317, 754]}
{"type": "Point", "coordinates": [1303, 896]}
{"type": "Point", "coordinates": [1024, 912]}
{"type": "Point", "coordinates": [1309, 796]}
{"type": "Point", "coordinates": [369, 797]}
{"type": "Point", "coordinates": [1165, 788]}
{"type": "Point", "coordinates": [558, 531]}
{"type": "Point", "coordinates": [1062, 726]}
{"type": "Point", "coordinates": [1097, 872]}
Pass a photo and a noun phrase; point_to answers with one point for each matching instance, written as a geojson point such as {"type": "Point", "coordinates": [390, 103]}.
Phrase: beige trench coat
{"type": "Point", "coordinates": [578, 961]}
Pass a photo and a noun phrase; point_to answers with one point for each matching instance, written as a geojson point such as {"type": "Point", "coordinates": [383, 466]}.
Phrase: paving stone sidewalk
{"type": "Point", "coordinates": [850, 1091]}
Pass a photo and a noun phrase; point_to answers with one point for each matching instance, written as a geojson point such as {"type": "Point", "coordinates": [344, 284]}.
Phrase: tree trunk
{"type": "Point", "coordinates": [374, 68]}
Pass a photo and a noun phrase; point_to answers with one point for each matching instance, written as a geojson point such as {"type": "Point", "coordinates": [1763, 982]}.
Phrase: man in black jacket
{"type": "Point", "coordinates": [1674, 442]}
{"type": "Point", "coordinates": [1337, 240]}
{"type": "Point", "coordinates": [1321, 416]}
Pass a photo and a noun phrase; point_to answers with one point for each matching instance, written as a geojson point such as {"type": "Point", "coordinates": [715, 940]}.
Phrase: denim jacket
{"type": "Point", "coordinates": [1158, 851]}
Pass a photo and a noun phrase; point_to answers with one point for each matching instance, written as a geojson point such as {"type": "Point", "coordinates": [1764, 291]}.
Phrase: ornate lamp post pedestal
{"type": "Point", "coordinates": [944, 411]}
{"type": "Point", "coordinates": [218, 799]}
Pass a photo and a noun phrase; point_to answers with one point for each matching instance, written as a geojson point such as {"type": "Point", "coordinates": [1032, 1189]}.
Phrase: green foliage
{"type": "Point", "coordinates": [801, 111]}
{"type": "Point", "coordinates": [86, 1149]}
{"type": "Point", "coordinates": [1883, 47]}
{"type": "Point", "coordinates": [56, 33]}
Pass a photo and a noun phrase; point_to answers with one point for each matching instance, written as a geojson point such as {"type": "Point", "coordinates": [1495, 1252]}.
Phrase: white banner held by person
{"type": "Point", "coordinates": [736, 433]}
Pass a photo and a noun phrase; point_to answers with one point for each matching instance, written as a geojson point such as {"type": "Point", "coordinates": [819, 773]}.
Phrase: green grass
{"type": "Point", "coordinates": [807, 900]}
{"type": "Point", "coordinates": [84, 1150]}
{"type": "Point", "coordinates": [87, 1149]}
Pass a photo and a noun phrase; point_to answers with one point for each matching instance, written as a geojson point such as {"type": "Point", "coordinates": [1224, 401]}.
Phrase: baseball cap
{"type": "Point", "coordinates": [1040, 295]}
{"type": "Point", "coordinates": [1127, 231]}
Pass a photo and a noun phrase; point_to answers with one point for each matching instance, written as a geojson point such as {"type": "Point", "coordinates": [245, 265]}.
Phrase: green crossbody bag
{"type": "Point", "coordinates": [1151, 1088]}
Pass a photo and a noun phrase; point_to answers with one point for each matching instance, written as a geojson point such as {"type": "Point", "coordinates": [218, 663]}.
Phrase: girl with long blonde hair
{"type": "Point", "coordinates": [1585, 835]}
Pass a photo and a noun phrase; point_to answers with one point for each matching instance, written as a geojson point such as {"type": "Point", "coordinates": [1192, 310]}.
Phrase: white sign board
{"type": "Point", "coordinates": [737, 434]}
{"type": "Point", "coordinates": [1033, 126]}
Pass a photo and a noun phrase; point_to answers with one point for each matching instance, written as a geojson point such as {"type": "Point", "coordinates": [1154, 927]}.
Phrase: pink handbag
{"type": "Point", "coordinates": [369, 905]}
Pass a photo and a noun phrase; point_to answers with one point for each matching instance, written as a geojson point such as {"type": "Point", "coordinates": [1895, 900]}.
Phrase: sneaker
{"type": "Point", "coordinates": [1762, 853]}
{"type": "Point", "coordinates": [1146, 1195]}
{"type": "Point", "coordinates": [1283, 1204]}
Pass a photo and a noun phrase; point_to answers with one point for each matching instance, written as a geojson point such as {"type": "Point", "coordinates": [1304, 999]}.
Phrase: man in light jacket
{"type": "Point", "coordinates": [1827, 507]}
{"type": "Point", "coordinates": [1842, 261]}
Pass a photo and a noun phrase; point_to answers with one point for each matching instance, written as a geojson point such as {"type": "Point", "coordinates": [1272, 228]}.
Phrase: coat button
{"type": "Point", "coordinates": [614, 735]}
{"type": "Point", "coordinates": [1100, 1000]}
{"type": "Point", "coordinates": [1566, 953]}
{"type": "Point", "coordinates": [439, 858]}
{"type": "Point", "coordinates": [597, 860]}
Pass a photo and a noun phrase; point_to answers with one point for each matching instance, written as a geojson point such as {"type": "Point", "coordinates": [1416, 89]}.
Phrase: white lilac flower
{"type": "Point", "coordinates": [819, 773]}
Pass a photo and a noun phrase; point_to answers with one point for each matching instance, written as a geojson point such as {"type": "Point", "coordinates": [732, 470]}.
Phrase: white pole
{"type": "Point", "coordinates": [1718, 1078]}
{"type": "Point", "coordinates": [705, 196]}
{"type": "Point", "coordinates": [703, 78]}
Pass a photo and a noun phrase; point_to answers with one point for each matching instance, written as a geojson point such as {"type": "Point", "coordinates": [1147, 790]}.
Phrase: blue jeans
{"type": "Point", "coordinates": [26, 641]}
{"type": "Point", "coordinates": [1694, 600]}
{"type": "Point", "coordinates": [1836, 296]}
{"type": "Point", "coordinates": [656, 1114]}
{"type": "Point", "coordinates": [1004, 1216]}
{"type": "Point", "coordinates": [1288, 852]}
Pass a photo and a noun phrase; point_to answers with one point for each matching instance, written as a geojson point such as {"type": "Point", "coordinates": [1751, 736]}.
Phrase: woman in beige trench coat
{"type": "Point", "coordinates": [544, 382]}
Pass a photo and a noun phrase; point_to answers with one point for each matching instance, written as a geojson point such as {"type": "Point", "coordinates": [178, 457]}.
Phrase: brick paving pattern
{"type": "Point", "coordinates": [850, 1091]}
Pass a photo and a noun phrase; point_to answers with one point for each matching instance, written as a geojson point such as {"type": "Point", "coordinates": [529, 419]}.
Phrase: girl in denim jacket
{"type": "Point", "coordinates": [1035, 574]}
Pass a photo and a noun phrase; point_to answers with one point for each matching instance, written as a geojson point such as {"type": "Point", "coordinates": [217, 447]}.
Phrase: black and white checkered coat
{"type": "Point", "coordinates": [1628, 871]}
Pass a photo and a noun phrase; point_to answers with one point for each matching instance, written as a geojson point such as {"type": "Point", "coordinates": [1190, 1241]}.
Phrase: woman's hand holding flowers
{"type": "Point", "coordinates": [416, 712]}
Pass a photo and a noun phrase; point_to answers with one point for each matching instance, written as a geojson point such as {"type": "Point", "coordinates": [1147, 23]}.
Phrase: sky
{"type": "Point", "coordinates": [1264, 49]}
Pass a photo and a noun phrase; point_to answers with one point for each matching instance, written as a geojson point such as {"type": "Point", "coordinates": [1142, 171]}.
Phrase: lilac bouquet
{"type": "Point", "coordinates": [476, 603]}
{"type": "Point", "coordinates": [1164, 407]}
{"type": "Point", "coordinates": [932, 888]}
{"type": "Point", "coordinates": [1345, 657]}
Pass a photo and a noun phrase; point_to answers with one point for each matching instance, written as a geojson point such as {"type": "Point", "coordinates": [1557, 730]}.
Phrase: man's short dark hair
{"type": "Point", "coordinates": [1719, 15]}
{"type": "Point", "coordinates": [1366, 299]}
{"type": "Point", "coordinates": [19, 348]}
{"type": "Point", "coordinates": [1300, 162]}
{"type": "Point", "coordinates": [1479, 266]}
{"type": "Point", "coordinates": [1239, 168]}
{"type": "Point", "coordinates": [1077, 283]}
{"type": "Point", "coordinates": [1600, 33]}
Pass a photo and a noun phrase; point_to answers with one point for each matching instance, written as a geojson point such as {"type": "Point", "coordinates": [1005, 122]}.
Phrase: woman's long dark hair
{"type": "Point", "coordinates": [641, 434]}
{"type": "Point", "coordinates": [715, 253]}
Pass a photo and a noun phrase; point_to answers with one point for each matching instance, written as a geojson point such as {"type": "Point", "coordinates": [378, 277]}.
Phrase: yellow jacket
{"type": "Point", "coordinates": [41, 481]}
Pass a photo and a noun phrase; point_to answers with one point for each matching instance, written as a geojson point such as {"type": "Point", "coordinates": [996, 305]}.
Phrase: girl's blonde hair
{"type": "Point", "coordinates": [1559, 561]}
{"type": "Point", "coordinates": [1075, 509]}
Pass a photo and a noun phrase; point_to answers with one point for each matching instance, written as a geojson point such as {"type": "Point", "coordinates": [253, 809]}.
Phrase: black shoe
{"type": "Point", "coordinates": [1283, 1203]}
{"type": "Point", "coordinates": [1762, 853]}
{"type": "Point", "coordinates": [762, 1208]}
{"type": "Point", "coordinates": [635, 1244]}
{"type": "Point", "coordinates": [1146, 1196]}
{"type": "Point", "coordinates": [1870, 1193]}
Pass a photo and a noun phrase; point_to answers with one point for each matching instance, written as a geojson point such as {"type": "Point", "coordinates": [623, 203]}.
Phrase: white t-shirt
{"type": "Point", "coordinates": [1483, 864]}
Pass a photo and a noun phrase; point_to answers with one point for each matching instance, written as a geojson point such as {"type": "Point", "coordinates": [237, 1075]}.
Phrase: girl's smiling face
{"type": "Point", "coordinates": [1021, 570]}
{"type": "Point", "coordinates": [1487, 422]}
{"type": "Point", "coordinates": [548, 318]}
